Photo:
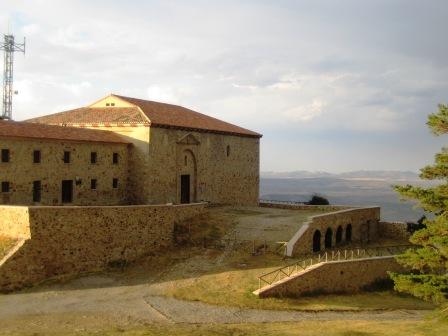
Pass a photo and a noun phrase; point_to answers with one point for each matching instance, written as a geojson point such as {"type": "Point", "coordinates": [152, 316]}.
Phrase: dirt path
{"type": "Point", "coordinates": [179, 311]}
{"type": "Point", "coordinates": [130, 306]}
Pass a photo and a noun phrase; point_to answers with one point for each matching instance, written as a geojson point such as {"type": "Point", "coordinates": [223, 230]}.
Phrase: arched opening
{"type": "Point", "coordinates": [339, 235]}
{"type": "Point", "coordinates": [316, 241]}
{"type": "Point", "coordinates": [348, 233]}
{"type": "Point", "coordinates": [328, 238]}
{"type": "Point", "coordinates": [228, 150]}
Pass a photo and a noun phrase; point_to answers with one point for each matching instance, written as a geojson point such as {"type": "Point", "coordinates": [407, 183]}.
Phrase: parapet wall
{"type": "Point", "coordinates": [346, 276]}
{"type": "Point", "coordinates": [359, 225]}
{"type": "Point", "coordinates": [71, 240]}
{"type": "Point", "coordinates": [394, 230]}
{"type": "Point", "coordinates": [298, 206]}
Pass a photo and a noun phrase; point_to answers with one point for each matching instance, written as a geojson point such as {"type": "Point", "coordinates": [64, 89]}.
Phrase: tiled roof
{"type": "Point", "coordinates": [94, 115]}
{"type": "Point", "coordinates": [22, 129]}
{"type": "Point", "coordinates": [167, 115]}
{"type": "Point", "coordinates": [159, 115]}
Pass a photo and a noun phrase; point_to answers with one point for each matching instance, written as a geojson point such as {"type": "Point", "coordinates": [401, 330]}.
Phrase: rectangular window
{"type": "Point", "coordinates": [5, 187]}
{"type": "Point", "coordinates": [36, 191]}
{"type": "Point", "coordinates": [66, 157]}
{"type": "Point", "coordinates": [93, 157]}
{"type": "Point", "coordinates": [115, 158]}
{"type": "Point", "coordinates": [115, 183]}
{"type": "Point", "coordinates": [93, 184]}
{"type": "Point", "coordinates": [36, 156]}
{"type": "Point", "coordinates": [5, 155]}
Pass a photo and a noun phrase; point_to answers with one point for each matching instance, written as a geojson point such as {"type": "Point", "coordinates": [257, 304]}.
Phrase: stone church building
{"type": "Point", "coordinates": [122, 150]}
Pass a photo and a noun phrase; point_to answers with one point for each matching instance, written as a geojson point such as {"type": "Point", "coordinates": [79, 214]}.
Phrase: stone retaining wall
{"type": "Point", "coordinates": [71, 240]}
{"type": "Point", "coordinates": [348, 276]}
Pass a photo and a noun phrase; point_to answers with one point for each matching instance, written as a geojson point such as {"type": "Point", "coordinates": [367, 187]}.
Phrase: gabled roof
{"type": "Point", "coordinates": [144, 112]}
{"type": "Point", "coordinates": [14, 129]}
{"type": "Point", "coordinates": [167, 115]}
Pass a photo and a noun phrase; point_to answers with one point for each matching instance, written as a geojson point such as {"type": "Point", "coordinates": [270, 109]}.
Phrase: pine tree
{"type": "Point", "coordinates": [429, 262]}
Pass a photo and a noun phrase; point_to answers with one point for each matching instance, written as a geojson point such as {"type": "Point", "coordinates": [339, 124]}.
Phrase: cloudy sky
{"type": "Point", "coordinates": [332, 85]}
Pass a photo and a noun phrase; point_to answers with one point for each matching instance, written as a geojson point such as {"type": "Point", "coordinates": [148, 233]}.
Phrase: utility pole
{"type": "Point", "coordinates": [9, 47]}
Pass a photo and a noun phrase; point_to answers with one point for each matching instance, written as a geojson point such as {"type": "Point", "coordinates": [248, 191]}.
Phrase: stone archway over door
{"type": "Point", "coordinates": [187, 177]}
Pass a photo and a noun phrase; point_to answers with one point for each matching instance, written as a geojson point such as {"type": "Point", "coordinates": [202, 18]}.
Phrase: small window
{"type": "Point", "coordinates": [228, 151]}
{"type": "Point", "coordinates": [112, 104]}
{"type": "Point", "coordinates": [107, 104]}
{"type": "Point", "coordinates": [66, 157]}
{"type": "Point", "coordinates": [5, 155]}
{"type": "Point", "coordinates": [5, 187]}
{"type": "Point", "coordinates": [36, 191]}
{"type": "Point", "coordinates": [93, 184]}
{"type": "Point", "coordinates": [93, 157]}
{"type": "Point", "coordinates": [115, 183]}
{"type": "Point", "coordinates": [36, 156]}
{"type": "Point", "coordinates": [115, 158]}
{"type": "Point", "coordinates": [186, 160]}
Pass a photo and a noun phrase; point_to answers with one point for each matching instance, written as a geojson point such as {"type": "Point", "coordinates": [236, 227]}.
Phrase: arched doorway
{"type": "Point", "coordinates": [316, 241]}
{"type": "Point", "coordinates": [328, 238]}
{"type": "Point", "coordinates": [348, 233]}
{"type": "Point", "coordinates": [187, 177]}
{"type": "Point", "coordinates": [339, 235]}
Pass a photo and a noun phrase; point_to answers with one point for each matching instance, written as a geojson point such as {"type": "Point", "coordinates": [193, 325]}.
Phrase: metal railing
{"type": "Point", "coordinates": [329, 256]}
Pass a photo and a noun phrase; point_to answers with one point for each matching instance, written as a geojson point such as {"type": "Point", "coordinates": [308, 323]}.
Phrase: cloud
{"type": "Point", "coordinates": [283, 68]}
{"type": "Point", "coordinates": [305, 113]}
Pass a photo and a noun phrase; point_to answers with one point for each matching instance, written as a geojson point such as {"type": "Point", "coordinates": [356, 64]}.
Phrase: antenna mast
{"type": "Point", "coordinates": [9, 47]}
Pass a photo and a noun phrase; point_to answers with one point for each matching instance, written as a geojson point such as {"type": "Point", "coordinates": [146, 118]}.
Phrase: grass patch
{"type": "Point", "coordinates": [309, 328]}
{"type": "Point", "coordinates": [6, 243]}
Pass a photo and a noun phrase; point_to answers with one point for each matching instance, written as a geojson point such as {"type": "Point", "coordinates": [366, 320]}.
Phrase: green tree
{"type": "Point", "coordinates": [429, 262]}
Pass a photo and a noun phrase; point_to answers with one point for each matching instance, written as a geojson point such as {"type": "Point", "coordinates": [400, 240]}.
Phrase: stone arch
{"type": "Point", "coordinates": [316, 241]}
{"type": "Point", "coordinates": [348, 233]}
{"type": "Point", "coordinates": [339, 233]}
{"type": "Point", "coordinates": [328, 238]}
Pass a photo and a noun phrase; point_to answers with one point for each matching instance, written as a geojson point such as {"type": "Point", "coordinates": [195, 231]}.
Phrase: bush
{"type": "Point", "coordinates": [318, 200]}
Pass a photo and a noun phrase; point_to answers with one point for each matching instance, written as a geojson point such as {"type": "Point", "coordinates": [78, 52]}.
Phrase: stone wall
{"type": "Point", "coordinates": [394, 230]}
{"type": "Point", "coordinates": [348, 276]}
{"type": "Point", "coordinates": [70, 240]}
{"type": "Point", "coordinates": [298, 206]}
{"type": "Point", "coordinates": [357, 226]}
{"type": "Point", "coordinates": [20, 172]}
{"type": "Point", "coordinates": [14, 222]}
{"type": "Point", "coordinates": [215, 176]}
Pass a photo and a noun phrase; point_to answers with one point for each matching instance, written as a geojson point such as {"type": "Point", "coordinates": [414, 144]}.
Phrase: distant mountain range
{"type": "Point", "coordinates": [380, 175]}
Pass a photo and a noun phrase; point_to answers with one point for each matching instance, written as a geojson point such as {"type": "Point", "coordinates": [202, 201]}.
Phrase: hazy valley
{"type": "Point", "coordinates": [352, 188]}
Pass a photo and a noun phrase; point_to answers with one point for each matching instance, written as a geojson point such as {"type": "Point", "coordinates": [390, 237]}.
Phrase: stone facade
{"type": "Point", "coordinates": [348, 276]}
{"type": "Point", "coordinates": [174, 155]}
{"type": "Point", "coordinates": [66, 240]}
{"type": "Point", "coordinates": [358, 226]}
{"type": "Point", "coordinates": [223, 168]}
{"type": "Point", "coordinates": [20, 172]}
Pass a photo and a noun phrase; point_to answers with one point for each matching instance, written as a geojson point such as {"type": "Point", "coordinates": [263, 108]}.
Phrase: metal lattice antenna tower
{"type": "Point", "coordinates": [9, 47]}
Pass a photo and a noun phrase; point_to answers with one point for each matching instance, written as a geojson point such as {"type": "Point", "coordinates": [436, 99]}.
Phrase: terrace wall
{"type": "Point", "coordinates": [71, 240]}
{"type": "Point", "coordinates": [348, 276]}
